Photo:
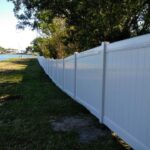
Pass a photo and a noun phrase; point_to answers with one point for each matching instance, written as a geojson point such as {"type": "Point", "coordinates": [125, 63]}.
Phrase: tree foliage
{"type": "Point", "coordinates": [51, 43]}
{"type": "Point", "coordinates": [86, 23]}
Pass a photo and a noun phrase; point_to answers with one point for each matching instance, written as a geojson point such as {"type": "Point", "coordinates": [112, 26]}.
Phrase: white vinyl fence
{"type": "Point", "coordinates": [113, 82]}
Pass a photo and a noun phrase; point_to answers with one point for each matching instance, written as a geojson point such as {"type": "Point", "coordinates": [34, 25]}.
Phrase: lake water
{"type": "Point", "coordinates": [8, 56]}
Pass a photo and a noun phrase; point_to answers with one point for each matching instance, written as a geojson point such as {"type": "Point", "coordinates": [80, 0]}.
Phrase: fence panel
{"type": "Point", "coordinates": [60, 72]}
{"type": "Point", "coordinates": [89, 80]}
{"type": "Point", "coordinates": [47, 59]}
{"type": "Point", "coordinates": [53, 69]}
{"type": "Point", "coordinates": [49, 67]}
{"type": "Point", "coordinates": [127, 96]}
{"type": "Point", "coordinates": [69, 74]}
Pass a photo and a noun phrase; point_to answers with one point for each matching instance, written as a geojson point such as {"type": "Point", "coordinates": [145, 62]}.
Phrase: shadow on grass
{"type": "Point", "coordinates": [29, 104]}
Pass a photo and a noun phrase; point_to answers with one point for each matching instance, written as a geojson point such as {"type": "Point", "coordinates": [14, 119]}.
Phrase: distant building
{"type": "Point", "coordinates": [10, 51]}
{"type": "Point", "coordinates": [21, 51]}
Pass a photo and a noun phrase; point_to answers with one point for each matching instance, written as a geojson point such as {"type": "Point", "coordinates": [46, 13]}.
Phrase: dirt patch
{"type": "Point", "coordinates": [70, 123]}
{"type": "Point", "coordinates": [84, 126]}
{"type": "Point", "coordinates": [90, 133]}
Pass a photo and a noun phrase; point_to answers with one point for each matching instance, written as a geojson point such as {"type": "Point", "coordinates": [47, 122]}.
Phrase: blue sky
{"type": "Point", "coordinates": [10, 37]}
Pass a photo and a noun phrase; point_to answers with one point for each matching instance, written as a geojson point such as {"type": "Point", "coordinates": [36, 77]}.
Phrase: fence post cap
{"type": "Point", "coordinates": [105, 42]}
{"type": "Point", "coordinates": [75, 53]}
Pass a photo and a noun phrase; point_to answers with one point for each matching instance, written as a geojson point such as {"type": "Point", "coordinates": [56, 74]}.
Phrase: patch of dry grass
{"type": "Point", "coordinates": [9, 66]}
{"type": "Point", "coordinates": [9, 71]}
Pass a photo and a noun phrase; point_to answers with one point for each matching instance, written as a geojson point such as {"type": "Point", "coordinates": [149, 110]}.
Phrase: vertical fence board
{"type": "Point", "coordinates": [89, 80]}
{"type": "Point", "coordinates": [69, 74]}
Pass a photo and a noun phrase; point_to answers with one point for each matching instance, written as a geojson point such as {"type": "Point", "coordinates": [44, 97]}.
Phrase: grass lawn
{"type": "Point", "coordinates": [28, 100]}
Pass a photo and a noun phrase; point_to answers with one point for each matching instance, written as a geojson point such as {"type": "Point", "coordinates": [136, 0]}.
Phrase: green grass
{"type": "Point", "coordinates": [28, 100]}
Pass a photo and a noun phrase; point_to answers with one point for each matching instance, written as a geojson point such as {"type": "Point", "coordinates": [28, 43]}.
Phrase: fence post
{"type": "Point", "coordinates": [104, 44]}
{"type": "Point", "coordinates": [44, 65]}
{"type": "Point", "coordinates": [75, 73]}
{"type": "Point", "coordinates": [47, 66]}
{"type": "Point", "coordinates": [63, 74]}
{"type": "Point", "coordinates": [56, 79]}
{"type": "Point", "coordinates": [50, 68]}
